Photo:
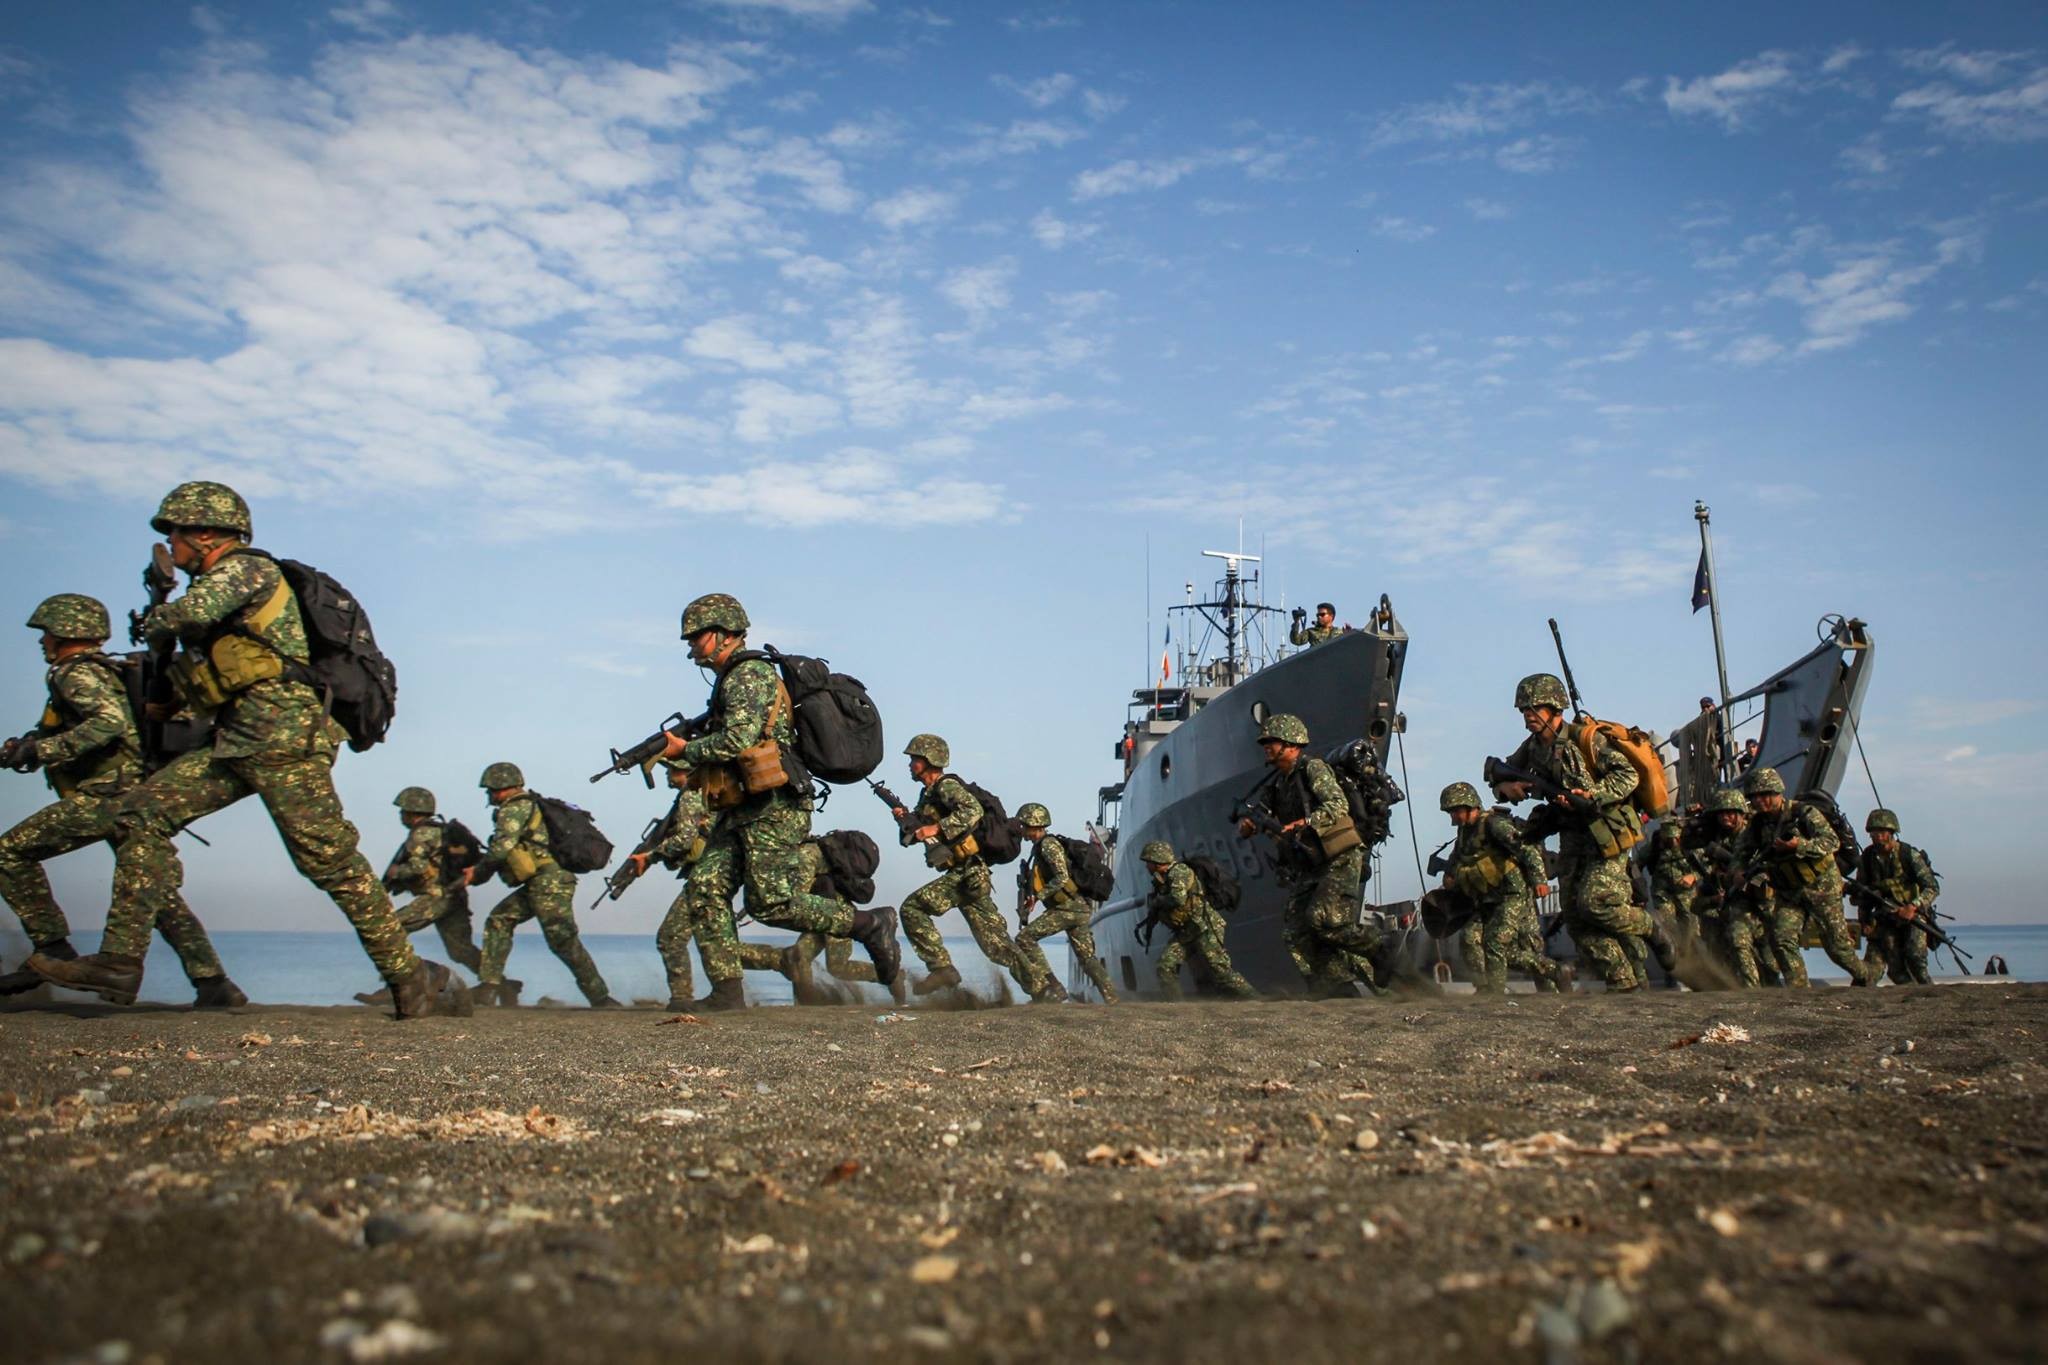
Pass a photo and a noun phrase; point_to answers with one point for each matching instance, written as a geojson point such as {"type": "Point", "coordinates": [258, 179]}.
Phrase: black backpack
{"type": "Point", "coordinates": [1369, 792]}
{"type": "Point", "coordinates": [574, 840]}
{"type": "Point", "coordinates": [357, 683]}
{"type": "Point", "coordinates": [460, 848]}
{"type": "Point", "coordinates": [1093, 875]}
{"type": "Point", "coordinates": [1218, 884]}
{"type": "Point", "coordinates": [1850, 845]}
{"type": "Point", "coordinates": [850, 862]}
{"type": "Point", "coordinates": [838, 729]}
{"type": "Point", "coordinates": [997, 835]}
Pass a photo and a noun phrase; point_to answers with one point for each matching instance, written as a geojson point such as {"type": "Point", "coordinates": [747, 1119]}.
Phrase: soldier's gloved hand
{"type": "Point", "coordinates": [1542, 890]}
{"type": "Point", "coordinates": [924, 834]}
{"type": "Point", "coordinates": [639, 862]}
{"type": "Point", "coordinates": [1246, 829]}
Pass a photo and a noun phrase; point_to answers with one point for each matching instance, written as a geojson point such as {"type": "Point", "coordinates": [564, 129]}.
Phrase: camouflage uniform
{"type": "Point", "coordinates": [1671, 898]}
{"type": "Point", "coordinates": [682, 843]}
{"type": "Point", "coordinates": [962, 882]}
{"type": "Point", "coordinates": [1321, 924]}
{"type": "Point", "coordinates": [1902, 874]}
{"type": "Point", "coordinates": [1494, 870]}
{"type": "Point", "coordinates": [1805, 886]}
{"type": "Point", "coordinates": [1308, 636]}
{"type": "Point", "coordinates": [756, 843]}
{"type": "Point", "coordinates": [437, 900]}
{"type": "Point", "coordinates": [1178, 901]}
{"type": "Point", "coordinates": [272, 739]}
{"type": "Point", "coordinates": [91, 755]}
{"type": "Point", "coordinates": [795, 961]}
{"type": "Point", "coordinates": [1594, 886]}
{"type": "Point", "coordinates": [1048, 879]}
{"type": "Point", "coordinates": [542, 889]}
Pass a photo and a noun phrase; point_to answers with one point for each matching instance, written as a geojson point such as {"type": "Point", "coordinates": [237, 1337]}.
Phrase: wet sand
{"type": "Point", "coordinates": [1438, 1178]}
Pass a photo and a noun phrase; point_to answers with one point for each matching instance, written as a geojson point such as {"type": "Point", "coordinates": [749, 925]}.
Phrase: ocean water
{"type": "Point", "coordinates": [300, 968]}
{"type": "Point", "coordinates": [319, 968]}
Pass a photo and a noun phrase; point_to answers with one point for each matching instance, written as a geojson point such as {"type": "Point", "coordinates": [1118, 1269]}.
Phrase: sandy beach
{"type": "Point", "coordinates": [1820, 1175]}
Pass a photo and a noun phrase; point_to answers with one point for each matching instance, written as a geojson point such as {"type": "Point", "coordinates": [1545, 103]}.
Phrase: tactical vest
{"type": "Point", "coordinates": [760, 766]}
{"type": "Point", "coordinates": [529, 856]}
{"type": "Point", "coordinates": [60, 715]}
{"type": "Point", "coordinates": [1293, 800]}
{"type": "Point", "coordinates": [1795, 866]}
{"type": "Point", "coordinates": [1891, 873]}
{"type": "Point", "coordinates": [1614, 829]}
{"type": "Point", "coordinates": [234, 655]}
{"type": "Point", "coordinates": [940, 855]}
{"type": "Point", "coordinates": [1479, 867]}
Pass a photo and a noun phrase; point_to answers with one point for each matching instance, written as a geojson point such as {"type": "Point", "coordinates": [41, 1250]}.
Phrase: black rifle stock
{"type": "Point", "coordinates": [647, 750]}
{"type": "Point", "coordinates": [159, 581]}
{"type": "Point", "coordinates": [1498, 772]}
{"type": "Point", "coordinates": [1923, 919]}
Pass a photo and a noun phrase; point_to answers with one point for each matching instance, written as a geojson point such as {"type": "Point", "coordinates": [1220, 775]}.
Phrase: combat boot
{"type": "Point", "coordinates": [505, 993]}
{"type": "Point", "coordinates": [937, 981]}
{"type": "Point", "coordinates": [606, 1003]}
{"type": "Point", "coordinates": [679, 1004]}
{"type": "Point", "coordinates": [875, 931]}
{"type": "Point", "coordinates": [729, 994]}
{"type": "Point", "coordinates": [217, 993]}
{"type": "Point", "coordinates": [24, 978]}
{"type": "Point", "coordinates": [382, 996]}
{"type": "Point", "coordinates": [112, 977]}
{"type": "Point", "coordinates": [431, 989]}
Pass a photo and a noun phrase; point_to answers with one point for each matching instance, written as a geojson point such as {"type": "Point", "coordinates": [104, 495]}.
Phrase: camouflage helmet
{"type": "Point", "coordinates": [1541, 689]}
{"type": "Point", "coordinates": [499, 776]}
{"type": "Point", "coordinates": [72, 616]}
{"type": "Point", "coordinates": [1881, 819]}
{"type": "Point", "coordinates": [1031, 815]}
{"type": "Point", "coordinates": [1157, 853]}
{"type": "Point", "coordinates": [417, 800]}
{"type": "Point", "coordinates": [1459, 795]}
{"type": "Point", "coordinates": [930, 748]}
{"type": "Point", "coordinates": [1727, 799]}
{"type": "Point", "coordinates": [1763, 782]}
{"type": "Point", "coordinates": [202, 503]}
{"type": "Point", "coordinates": [715, 611]}
{"type": "Point", "coordinates": [1285, 728]}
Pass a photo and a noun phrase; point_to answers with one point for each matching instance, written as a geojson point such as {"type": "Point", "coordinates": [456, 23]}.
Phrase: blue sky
{"type": "Point", "coordinates": [912, 325]}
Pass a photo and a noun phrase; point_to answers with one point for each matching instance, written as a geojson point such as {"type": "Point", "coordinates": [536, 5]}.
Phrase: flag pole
{"type": "Point", "coordinates": [1704, 518]}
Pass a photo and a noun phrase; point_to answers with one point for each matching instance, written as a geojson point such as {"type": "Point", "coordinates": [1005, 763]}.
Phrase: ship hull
{"type": "Point", "coordinates": [1183, 787]}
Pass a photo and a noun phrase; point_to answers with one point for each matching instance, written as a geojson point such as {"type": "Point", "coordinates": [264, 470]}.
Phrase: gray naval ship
{"type": "Point", "coordinates": [1188, 753]}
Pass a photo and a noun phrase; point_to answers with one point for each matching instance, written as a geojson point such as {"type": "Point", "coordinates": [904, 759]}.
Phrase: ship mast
{"type": "Point", "coordinates": [1233, 610]}
{"type": "Point", "coordinates": [1704, 518]}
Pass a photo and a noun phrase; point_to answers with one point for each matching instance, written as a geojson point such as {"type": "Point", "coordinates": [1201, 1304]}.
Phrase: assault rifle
{"type": "Point", "coordinates": [20, 754]}
{"type": "Point", "coordinates": [159, 580]}
{"type": "Point", "coordinates": [1571, 685]}
{"type": "Point", "coordinates": [1499, 771]}
{"type": "Point", "coordinates": [905, 816]}
{"type": "Point", "coordinates": [1297, 849]}
{"type": "Point", "coordinates": [1438, 863]}
{"type": "Point", "coordinates": [643, 754]}
{"type": "Point", "coordinates": [1923, 919]}
{"type": "Point", "coordinates": [630, 870]}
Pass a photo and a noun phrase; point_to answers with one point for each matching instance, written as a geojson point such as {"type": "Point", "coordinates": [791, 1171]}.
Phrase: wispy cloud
{"type": "Point", "coordinates": [916, 207]}
{"type": "Point", "coordinates": [2009, 101]}
{"type": "Point", "coordinates": [1132, 176]}
{"type": "Point", "coordinates": [1402, 229]}
{"type": "Point", "coordinates": [829, 10]}
{"type": "Point", "coordinates": [1042, 92]}
{"type": "Point", "coordinates": [1735, 97]}
{"type": "Point", "coordinates": [1479, 110]}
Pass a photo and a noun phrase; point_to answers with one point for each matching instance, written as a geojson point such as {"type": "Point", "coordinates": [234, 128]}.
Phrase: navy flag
{"type": "Point", "coordinates": [1702, 586]}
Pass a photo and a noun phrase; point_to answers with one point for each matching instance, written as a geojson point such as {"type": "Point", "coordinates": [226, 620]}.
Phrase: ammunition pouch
{"type": "Point", "coordinates": [762, 765]}
{"type": "Point", "coordinates": [940, 855]}
{"type": "Point", "coordinates": [523, 864]}
{"type": "Point", "coordinates": [1615, 831]}
{"type": "Point", "coordinates": [719, 784]}
{"type": "Point", "coordinates": [1339, 838]}
{"type": "Point", "coordinates": [1479, 876]}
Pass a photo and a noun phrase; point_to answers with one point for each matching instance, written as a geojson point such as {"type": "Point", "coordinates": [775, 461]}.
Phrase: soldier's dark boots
{"type": "Point", "coordinates": [899, 989]}
{"type": "Point", "coordinates": [680, 1004]}
{"type": "Point", "coordinates": [217, 993]}
{"type": "Point", "coordinates": [505, 993]}
{"type": "Point", "coordinates": [382, 996]}
{"type": "Point", "coordinates": [937, 981]}
{"type": "Point", "coordinates": [606, 1003]}
{"type": "Point", "coordinates": [110, 976]}
{"type": "Point", "coordinates": [431, 989]}
{"type": "Point", "coordinates": [24, 978]}
{"type": "Point", "coordinates": [875, 931]}
{"type": "Point", "coordinates": [729, 994]}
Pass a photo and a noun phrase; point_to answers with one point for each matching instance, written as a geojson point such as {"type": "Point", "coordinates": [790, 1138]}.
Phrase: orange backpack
{"type": "Point", "coordinates": [1652, 795]}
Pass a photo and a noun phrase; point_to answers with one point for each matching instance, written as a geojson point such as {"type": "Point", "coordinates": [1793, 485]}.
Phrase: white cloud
{"type": "Point", "coordinates": [981, 290]}
{"type": "Point", "coordinates": [765, 411]}
{"type": "Point", "coordinates": [1101, 105]}
{"type": "Point", "coordinates": [1041, 93]}
{"type": "Point", "coordinates": [369, 16]}
{"type": "Point", "coordinates": [2014, 109]}
{"type": "Point", "coordinates": [1130, 177]}
{"type": "Point", "coordinates": [1402, 229]}
{"type": "Point", "coordinates": [1535, 155]}
{"type": "Point", "coordinates": [735, 341]}
{"type": "Point", "coordinates": [828, 10]}
{"type": "Point", "coordinates": [916, 207]}
{"type": "Point", "coordinates": [1735, 96]}
{"type": "Point", "coordinates": [1479, 110]}
{"type": "Point", "coordinates": [1020, 138]}
{"type": "Point", "coordinates": [1754, 349]}
{"type": "Point", "coordinates": [1842, 58]}
{"type": "Point", "coordinates": [1054, 233]}
{"type": "Point", "coordinates": [1865, 159]}
{"type": "Point", "coordinates": [1488, 210]}
{"type": "Point", "coordinates": [853, 485]}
